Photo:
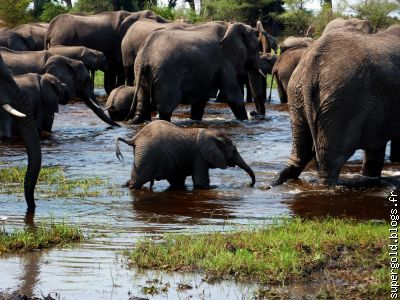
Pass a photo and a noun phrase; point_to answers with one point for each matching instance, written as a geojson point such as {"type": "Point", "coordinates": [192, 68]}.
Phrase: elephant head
{"type": "Point", "coordinates": [76, 77]}
{"type": "Point", "coordinates": [53, 92]}
{"type": "Point", "coordinates": [220, 152]}
{"type": "Point", "coordinates": [94, 60]}
{"type": "Point", "coordinates": [14, 103]}
{"type": "Point", "coordinates": [240, 48]}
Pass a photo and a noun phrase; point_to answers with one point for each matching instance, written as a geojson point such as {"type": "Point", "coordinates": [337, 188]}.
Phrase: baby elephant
{"type": "Point", "coordinates": [119, 102]}
{"type": "Point", "coordinates": [165, 151]}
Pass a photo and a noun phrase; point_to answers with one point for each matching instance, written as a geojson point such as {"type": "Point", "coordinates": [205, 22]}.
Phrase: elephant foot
{"type": "Point", "coordinates": [139, 120]}
{"type": "Point", "coordinates": [290, 172]}
{"type": "Point", "coordinates": [372, 169]}
{"type": "Point", "coordinates": [328, 181]}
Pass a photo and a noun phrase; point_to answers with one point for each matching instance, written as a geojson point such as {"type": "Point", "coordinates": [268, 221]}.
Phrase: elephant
{"type": "Point", "coordinates": [102, 32]}
{"type": "Point", "coordinates": [12, 40]}
{"type": "Point", "coordinates": [189, 65]}
{"type": "Point", "coordinates": [165, 151]}
{"type": "Point", "coordinates": [69, 71]}
{"type": "Point", "coordinates": [267, 41]}
{"type": "Point", "coordinates": [364, 26]}
{"type": "Point", "coordinates": [267, 62]}
{"type": "Point", "coordinates": [92, 59]}
{"type": "Point", "coordinates": [15, 103]}
{"type": "Point", "coordinates": [295, 42]}
{"type": "Point", "coordinates": [283, 70]}
{"type": "Point", "coordinates": [341, 101]}
{"type": "Point", "coordinates": [34, 34]}
{"type": "Point", "coordinates": [44, 92]}
{"type": "Point", "coordinates": [135, 37]}
{"type": "Point", "coordinates": [119, 102]}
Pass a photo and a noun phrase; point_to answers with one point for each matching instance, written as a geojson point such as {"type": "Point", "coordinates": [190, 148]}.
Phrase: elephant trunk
{"type": "Point", "coordinates": [92, 103]}
{"type": "Point", "coordinates": [256, 84]}
{"type": "Point", "coordinates": [29, 134]}
{"type": "Point", "coordinates": [242, 164]}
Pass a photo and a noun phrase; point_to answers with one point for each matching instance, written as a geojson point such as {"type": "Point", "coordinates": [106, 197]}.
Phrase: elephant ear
{"type": "Point", "coordinates": [211, 147]}
{"type": "Point", "coordinates": [239, 43]}
{"type": "Point", "coordinates": [52, 91]}
{"type": "Point", "coordinates": [128, 21]}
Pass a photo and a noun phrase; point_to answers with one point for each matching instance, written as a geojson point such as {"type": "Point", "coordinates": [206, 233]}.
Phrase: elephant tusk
{"type": "Point", "coordinates": [8, 108]}
{"type": "Point", "coordinates": [107, 107]}
{"type": "Point", "coordinates": [94, 103]}
{"type": "Point", "coordinates": [262, 73]}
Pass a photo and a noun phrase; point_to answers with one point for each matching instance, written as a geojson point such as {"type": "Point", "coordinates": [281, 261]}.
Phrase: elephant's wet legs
{"type": "Point", "coordinates": [177, 182]}
{"type": "Point", "coordinates": [130, 76]}
{"type": "Point", "coordinates": [143, 108]}
{"type": "Point", "coordinates": [249, 95]}
{"type": "Point", "coordinates": [395, 150]}
{"type": "Point", "coordinates": [197, 110]}
{"type": "Point", "coordinates": [373, 162]}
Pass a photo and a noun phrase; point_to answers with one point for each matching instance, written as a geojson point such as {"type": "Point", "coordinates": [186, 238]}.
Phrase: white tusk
{"type": "Point", "coordinates": [94, 103]}
{"type": "Point", "coordinates": [8, 108]}
{"type": "Point", "coordinates": [262, 73]}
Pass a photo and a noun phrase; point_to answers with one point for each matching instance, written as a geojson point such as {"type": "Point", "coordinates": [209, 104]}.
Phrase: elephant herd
{"type": "Point", "coordinates": [342, 90]}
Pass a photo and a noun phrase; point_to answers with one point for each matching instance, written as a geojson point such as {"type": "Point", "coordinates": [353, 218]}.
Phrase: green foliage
{"type": "Point", "coordinates": [188, 15]}
{"type": "Point", "coordinates": [377, 12]}
{"type": "Point", "coordinates": [295, 22]}
{"type": "Point", "coordinates": [323, 18]}
{"type": "Point", "coordinates": [165, 12]}
{"type": "Point", "coordinates": [52, 10]}
{"type": "Point", "coordinates": [14, 12]}
{"type": "Point", "coordinates": [92, 6]}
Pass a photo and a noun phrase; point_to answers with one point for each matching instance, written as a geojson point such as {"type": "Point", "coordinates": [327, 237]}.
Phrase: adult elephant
{"type": "Point", "coordinates": [92, 59]}
{"type": "Point", "coordinates": [44, 92]}
{"type": "Point", "coordinates": [283, 70]}
{"type": "Point", "coordinates": [135, 37]}
{"type": "Point", "coordinates": [69, 71]}
{"type": "Point", "coordinates": [295, 42]}
{"type": "Point", "coordinates": [13, 102]}
{"type": "Point", "coordinates": [34, 34]}
{"type": "Point", "coordinates": [341, 101]}
{"type": "Point", "coordinates": [364, 26]}
{"type": "Point", "coordinates": [102, 32]}
{"type": "Point", "coordinates": [12, 40]}
{"type": "Point", "coordinates": [189, 65]}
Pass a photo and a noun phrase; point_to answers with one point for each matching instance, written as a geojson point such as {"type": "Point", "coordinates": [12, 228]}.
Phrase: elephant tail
{"type": "Point", "coordinates": [118, 151]}
{"type": "Point", "coordinates": [270, 89]}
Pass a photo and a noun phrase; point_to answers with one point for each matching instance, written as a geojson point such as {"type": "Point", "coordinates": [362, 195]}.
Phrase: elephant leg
{"type": "Point", "coordinates": [373, 162]}
{"type": "Point", "coordinates": [395, 150]}
{"type": "Point", "coordinates": [249, 95]}
{"type": "Point", "coordinates": [281, 90]}
{"type": "Point", "coordinates": [221, 98]}
{"type": "Point", "coordinates": [143, 108]}
{"type": "Point", "coordinates": [130, 75]}
{"type": "Point", "coordinates": [200, 176]}
{"type": "Point", "coordinates": [120, 78]}
{"type": "Point", "coordinates": [177, 182]}
{"type": "Point", "coordinates": [264, 89]}
{"type": "Point", "coordinates": [93, 75]}
{"type": "Point", "coordinates": [108, 85]}
{"type": "Point", "coordinates": [197, 110]}
{"type": "Point", "coordinates": [301, 149]}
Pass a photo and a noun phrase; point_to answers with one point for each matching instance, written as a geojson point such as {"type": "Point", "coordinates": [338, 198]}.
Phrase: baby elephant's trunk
{"type": "Point", "coordinates": [242, 164]}
{"type": "Point", "coordinates": [117, 150]}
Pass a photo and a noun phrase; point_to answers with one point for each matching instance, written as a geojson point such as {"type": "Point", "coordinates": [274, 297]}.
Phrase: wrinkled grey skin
{"type": "Point", "coordinates": [189, 65]}
{"type": "Point", "coordinates": [344, 96]}
{"type": "Point", "coordinates": [12, 40]}
{"type": "Point", "coordinates": [267, 41]}
{"type": "Point", "coordinates": [69, 71]}
{"type": "Point", "coordinates": [10, 94]}
{"type": "Point", "coordinates": [102, 32]}
{"type": "Point", "coordinates": [135, 37]}
{"type": "Point", "coordinates": [165, 151]}
{"type": "Point", "coordinates": [44, 92]}
{"type": "Point", "coordinates": [267, 62]}
{"type": "Point", "coordinates": [34, 34]}
{"type": "Point", "coordinates": [119, 102]}
{"type": "Point", "coordinates": [364, 26]}
{"type": "Point", "coordinates": [295, 42]}
{"type": "Point", "coordinates": [283, 70]}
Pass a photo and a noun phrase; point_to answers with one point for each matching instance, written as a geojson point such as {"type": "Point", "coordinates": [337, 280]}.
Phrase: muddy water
{"type": "Point", "coordinates": [84, 146]}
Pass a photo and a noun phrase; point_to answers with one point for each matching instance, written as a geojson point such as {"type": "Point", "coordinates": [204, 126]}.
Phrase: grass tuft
{"type": "Point", "coordinates": [287, 250]}
{"type": "Point", "coordinates": [52, 183]}
{"type": "Point", "coordinates": [40, 237]}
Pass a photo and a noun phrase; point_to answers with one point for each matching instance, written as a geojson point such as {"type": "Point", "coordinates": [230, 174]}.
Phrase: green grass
{"type": "Point", "coordinates": [41, 237]}
{"type": "Point", "coordinates": [52, 183]}
{"type": "Point", "coordinates": [285, 251]}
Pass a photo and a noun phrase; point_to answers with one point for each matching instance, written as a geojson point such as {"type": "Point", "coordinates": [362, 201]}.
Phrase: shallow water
{"type": "Point", "coordinates": [84, 146]}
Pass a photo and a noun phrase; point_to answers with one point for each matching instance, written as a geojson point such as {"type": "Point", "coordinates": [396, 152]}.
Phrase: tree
{"type": "Point", "coordinates": [52, 10]}
{"type": "Point", "coordinates": [14, 12]}
{"type": "Point", "coordinates": [92, 6]}
{"type": "Point", "coordinates": [377, 12]}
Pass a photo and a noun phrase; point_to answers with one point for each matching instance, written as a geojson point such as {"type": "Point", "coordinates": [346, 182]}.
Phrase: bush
{"type": "Point", "coordinates": [52, 10]}
{"type": "Point", "coordinates": [14, 12]}
{"type": "Point", "coordinates": [296, 22]}
{"type": "Point", "coordinates": [92, 7]}
{"type": "Point", "coordinates": [165, 12]}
